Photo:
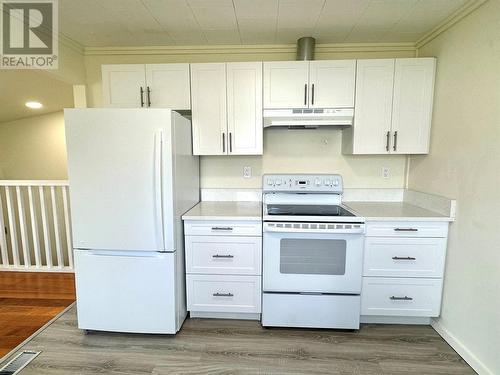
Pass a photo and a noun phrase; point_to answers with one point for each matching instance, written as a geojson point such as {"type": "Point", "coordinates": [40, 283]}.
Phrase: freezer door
{"type": "Point", "coordinates": [126, 291]}
{"type": "Point", "coordinates": [120, 171]}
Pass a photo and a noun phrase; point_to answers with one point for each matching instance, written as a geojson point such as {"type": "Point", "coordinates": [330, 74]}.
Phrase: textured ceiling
{"type": "Point", "coordinates": [105, 23]}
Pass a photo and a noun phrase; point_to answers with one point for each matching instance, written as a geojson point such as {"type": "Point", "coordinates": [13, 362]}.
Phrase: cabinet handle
{"type": "Point", "coordinates": [148, 92]}
{"type": "Point", "coordinates": [223, 142]}
{"type": "Point", "coordinates": [312, 94]}
{"type": "Point", "coordinates": [395, 146]}
{"type": "Point", "coordinates": [405, 230]}
{"type": "Point", "coordinates": [230, 142]}
{"type": "Point", "coordinates": [142, 97]}
{"type": "Point", "coordinates": [305, 94]}
{"type": "Point", "coordinates": [405, 298]}
{"type": "Point", "coordinates": [387, 137]}
{"type": "Point", "coordinates": [223, 295]}
{"type": "Point", "coordinates": [404, 258]}
{"type": "Point", "coordinates": [229, 256]}
{"type": "Point", "coordinates": [222, 228]}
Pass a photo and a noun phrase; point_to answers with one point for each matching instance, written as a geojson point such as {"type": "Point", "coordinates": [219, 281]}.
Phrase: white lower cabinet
{"type": "Point", "coordinates": [224, 268]}
{"type": "Point", "coordinates": [224, 293]}
{"type": "Point", "coordinates": [403, 271]}
{"type": "Point", "coordinates": [401, 296]}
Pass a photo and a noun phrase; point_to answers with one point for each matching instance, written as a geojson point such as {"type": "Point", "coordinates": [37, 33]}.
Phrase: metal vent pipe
{"type": "Point", "coordinates": [305, 48]}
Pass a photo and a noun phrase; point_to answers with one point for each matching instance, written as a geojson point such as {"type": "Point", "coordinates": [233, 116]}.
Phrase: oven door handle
{"type": "Point", "coordinates": [273, 229]}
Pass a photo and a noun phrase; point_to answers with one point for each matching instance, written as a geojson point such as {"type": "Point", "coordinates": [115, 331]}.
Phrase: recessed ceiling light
{"type": "Point", "coordinates": [34, 105]}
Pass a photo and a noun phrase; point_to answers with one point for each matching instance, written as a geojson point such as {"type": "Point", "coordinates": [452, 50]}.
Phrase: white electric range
{"type": "Point", "coordinates": [312, 253]}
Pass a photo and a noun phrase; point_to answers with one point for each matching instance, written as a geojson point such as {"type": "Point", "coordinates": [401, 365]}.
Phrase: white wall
{"type": "Point", "coordinates": [284, 151]}
{"type": "Point", "coordinates": [33, 148]}
{"type": "Point", "coordinates": [464, 163]}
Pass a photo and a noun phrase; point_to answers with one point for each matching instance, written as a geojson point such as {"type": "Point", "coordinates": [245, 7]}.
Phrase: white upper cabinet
{"type": "Point", "coordinates": [286, 84]}
{"type": "Point", "coordinates": [372, 113]}
{"type": "Point", "coordinates": [331, 83]}
{"type": "Point", "coordinates": [139, 85]}
{"type": "Point", "coordinates": [393, 108]}
{"type": "Point", "coordinates": [167, 86]}
{"type": "Point", "coordinates": [309, 84]}
{"type": "Point", "coordinates": [412, 105]}
{"type": "Point", "coordinates": [123, 85]}
{"type": "Point", "coordinates": [244, 108]}
{"type": "Point", "coordinates": [227, 108]}
{"type": "Point", "coordinates": [208, 101]}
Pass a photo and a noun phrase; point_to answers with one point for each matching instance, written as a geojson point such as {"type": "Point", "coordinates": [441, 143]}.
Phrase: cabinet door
{"type": "Point", "coordinates": [286, 84]}
{"type": "Point", "coordinates": [372, 114]}
{"type": "Point", "coordinates": [123, 86]}
{"type": "Point", "coordinates": [332, 83]}
{"type": "Point", "coordinates": [208, 101]}
{"type": "Point", "coordinates": [244, 108]}
{"type": "Point", "coordinates": [412, 105]}
{"type": "Point", "coordinates": [168, 85]}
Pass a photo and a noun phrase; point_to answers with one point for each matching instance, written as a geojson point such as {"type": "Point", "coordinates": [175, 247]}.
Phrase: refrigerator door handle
{"type": "Point", "coordinates": [159, 189]}
{"type": "Point", "coordinates": [122, 254]}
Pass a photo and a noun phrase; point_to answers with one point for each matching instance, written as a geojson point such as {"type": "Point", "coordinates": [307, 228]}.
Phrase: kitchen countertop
{"type": "Point", "coordinates": [397, 211]}
{"type": "Point", "coordinates": [219, 210]}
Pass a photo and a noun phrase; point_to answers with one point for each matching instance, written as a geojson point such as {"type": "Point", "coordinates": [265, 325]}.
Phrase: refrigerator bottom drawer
{"type": "Point", "coordinates": [311, 311]}
{"type": "Point", "coordinates": [126, 291]}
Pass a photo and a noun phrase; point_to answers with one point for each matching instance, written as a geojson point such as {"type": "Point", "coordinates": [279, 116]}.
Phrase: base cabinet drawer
{"type": "Point", "coordinates": [223, 255]}
{"type": "Point", "coordinates": [222, 228]}
{"type": "Point", "coordinates": [401, 297]}
{"type": "Point", "coordinates": [407, 229]}
{"type": "Point", "coordinates": [224, 293]}
{"type": "Point", "coordinates": [404, 257]}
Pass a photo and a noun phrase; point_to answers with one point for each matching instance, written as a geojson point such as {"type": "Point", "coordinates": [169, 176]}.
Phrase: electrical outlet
{"type": "Point", "coordinates": [386, 172]}
{"type": "Point", "coordinates": [247, 172]}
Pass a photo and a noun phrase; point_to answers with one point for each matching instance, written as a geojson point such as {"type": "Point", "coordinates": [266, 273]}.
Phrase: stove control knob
{"type": "Point", "coordinates": [327, 182]}
{"type": "Point", "coordinates": [335, 182]}
{"type": "Point", "coordinates": [317, 182]}
{"type": "Point", "coordinates": [278, 182]}
{"type": "Point", "coordinates": [270, 182]}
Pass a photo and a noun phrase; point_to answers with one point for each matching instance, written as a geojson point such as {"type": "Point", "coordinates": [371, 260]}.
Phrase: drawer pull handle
{"type": "Point", "coordinates": [405, 298]}
{"type": "Point", "coordinates": [222, 228]}
{"type": "Point", "coordinates": [404, 258]}
{"type": "Point", "coordinates": [405, 229]}
{"type": "Point", "coordinates": [222, 256]}
{"type": "Point", "coordinates": [223, 295]}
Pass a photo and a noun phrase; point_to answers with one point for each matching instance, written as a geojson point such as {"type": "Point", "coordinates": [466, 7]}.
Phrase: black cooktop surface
{"type": "Point", "coordinates": [307, 210]}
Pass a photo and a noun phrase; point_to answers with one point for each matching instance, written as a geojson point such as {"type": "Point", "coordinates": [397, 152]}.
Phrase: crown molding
{"type": "Point", "coordinates": [455, 17]}
{"type": "Point", "coordinates": [246, 49]}
{"type": "Point", "coordinates": [71, 44]}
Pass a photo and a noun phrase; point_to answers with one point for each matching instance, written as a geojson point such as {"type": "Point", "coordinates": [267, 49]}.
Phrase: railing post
{"type": "Point", "coordinates": [3, 236]}
{"type": "Point", "coordinates": [24, 229]}
{"type": "Point", "coordinates": [67, 226]}
{"type": "Point", "coordinates": [57, 237]}
{"type": "Point", "coordinates": [34, 229]}
{"type": "Point", "coordinates": [45, 226]}
{"type": "Point", "coordinates": [12, 227]}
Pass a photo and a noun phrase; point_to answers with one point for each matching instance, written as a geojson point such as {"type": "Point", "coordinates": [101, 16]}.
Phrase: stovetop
{"type": "Point", "coordinates": [307, 210]}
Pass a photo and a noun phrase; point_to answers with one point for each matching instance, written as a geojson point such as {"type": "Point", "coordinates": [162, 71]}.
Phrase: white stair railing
{"type": "Point", "coordinates": [35, 228]}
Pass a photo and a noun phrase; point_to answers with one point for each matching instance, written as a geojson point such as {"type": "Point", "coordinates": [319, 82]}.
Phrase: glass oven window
{"type": "Point", "coordinates": [312, 256]}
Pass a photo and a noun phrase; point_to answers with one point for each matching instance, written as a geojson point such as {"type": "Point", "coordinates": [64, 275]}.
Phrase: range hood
{"type": "Point", "coordinates": [308, 118]}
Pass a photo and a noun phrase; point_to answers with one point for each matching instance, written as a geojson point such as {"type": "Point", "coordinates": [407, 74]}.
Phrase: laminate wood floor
{"type": "Point", "coordinates": [28, 301]}
{"type": "Point", "coordinates": [206, 346]}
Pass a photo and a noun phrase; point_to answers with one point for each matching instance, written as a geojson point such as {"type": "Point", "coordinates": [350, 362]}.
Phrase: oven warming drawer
{"type": "Point", "coordinates": [311, 310]}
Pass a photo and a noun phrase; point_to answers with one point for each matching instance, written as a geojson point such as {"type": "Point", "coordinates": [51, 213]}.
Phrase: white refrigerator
{"type": "Point", "coordinates": [131, 177]}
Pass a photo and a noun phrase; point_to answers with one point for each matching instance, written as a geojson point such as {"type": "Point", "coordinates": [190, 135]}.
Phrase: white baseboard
{"type": "Point", "coordinates": [461, 349]}
{"type": "Point", "coordinates": [219, 315]}
{"type": "Point", "coordinates": [375, 319]}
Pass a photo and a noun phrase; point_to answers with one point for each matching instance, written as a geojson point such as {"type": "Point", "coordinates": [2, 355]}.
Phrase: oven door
{"type": "Point", "coordinates": [309, 262]}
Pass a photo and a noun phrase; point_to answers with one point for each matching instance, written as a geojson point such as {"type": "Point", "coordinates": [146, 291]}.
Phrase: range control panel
{"type": "Point", "coordinates": [307, 183]}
